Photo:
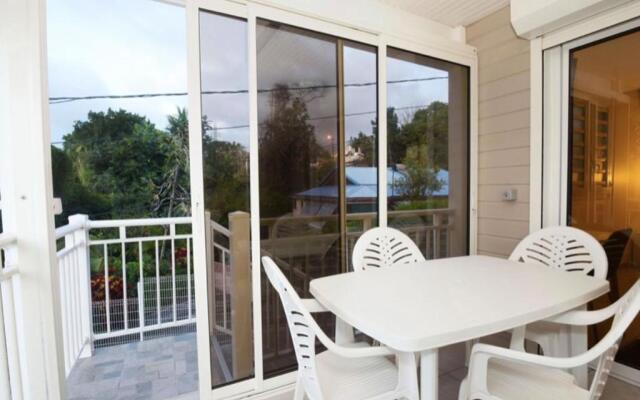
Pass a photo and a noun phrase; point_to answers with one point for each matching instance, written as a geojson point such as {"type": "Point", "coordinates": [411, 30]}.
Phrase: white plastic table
{"type": "Point", "coordinates": [432, 304]}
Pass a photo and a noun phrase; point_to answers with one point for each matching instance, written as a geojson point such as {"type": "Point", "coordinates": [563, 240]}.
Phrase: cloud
{"type": "Point", "coordinates": [114, 47]}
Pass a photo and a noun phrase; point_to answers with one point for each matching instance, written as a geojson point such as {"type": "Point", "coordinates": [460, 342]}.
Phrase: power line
{"type": "Point", "coordinates": [310, 119]}
{"type": "Point", "coordinates": [68, 99]}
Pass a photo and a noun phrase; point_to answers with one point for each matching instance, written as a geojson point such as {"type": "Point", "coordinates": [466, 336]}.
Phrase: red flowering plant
{"type": "Point", "coordinates": [181, 258]}
{"type": "Point", "coordinates": [98, 292]}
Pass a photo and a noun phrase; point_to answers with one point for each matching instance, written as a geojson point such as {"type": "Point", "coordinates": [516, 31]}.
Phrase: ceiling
{"type": "Point", "coordinates": [605, 63]}
{"type": "Point", "coordinates": [449, 12]}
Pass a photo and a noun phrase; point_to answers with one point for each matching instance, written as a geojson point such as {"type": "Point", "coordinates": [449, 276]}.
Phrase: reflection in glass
{"type": "Point", "coordinates": [298, 157]}
{"type": "Point", "coordinates": [225, 147]}
{"type": "Point", "coordinates": [361, 139]}
{"type": "Point", "coordinates": [427, 149]}
{"type": "Point", "coordinates": [604, 149]}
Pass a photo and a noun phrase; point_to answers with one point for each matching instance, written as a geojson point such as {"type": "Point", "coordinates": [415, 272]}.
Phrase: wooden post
{"type": "Point", "coordinates": [437, 222]}
{"type": "Point", "coordinates": [240, 293]}
{"type": "Point", "coordinates": [367, 222]}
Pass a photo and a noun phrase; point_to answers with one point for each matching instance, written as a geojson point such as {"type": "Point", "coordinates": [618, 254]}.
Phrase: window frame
{"type": "Point", "coordinates": [437, 48]}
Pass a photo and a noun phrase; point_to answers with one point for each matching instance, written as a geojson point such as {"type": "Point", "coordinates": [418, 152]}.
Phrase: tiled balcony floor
{"type": "Point", "coordinates": [155, 369]}
{"type": "Point", "coordinates": [166, 368]}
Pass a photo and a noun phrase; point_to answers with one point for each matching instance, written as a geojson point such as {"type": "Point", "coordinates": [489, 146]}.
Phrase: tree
{"type": "Point", "coordinates": [122, 158]}
{"type": "Point", "coordinates": [366, 144]}
{"type": "Point", "coordinates": [290, 158]}
{"type": "Point", "coordinates": [173, 195]}
{"type": "Point", "coordinates": [420, 180]}
{"type": "Point", "coordinates": [226, 178]}
{"type": "Point", "coordinates": [430, 126]}
{"type": "Point", "coordinates": [76, 198]}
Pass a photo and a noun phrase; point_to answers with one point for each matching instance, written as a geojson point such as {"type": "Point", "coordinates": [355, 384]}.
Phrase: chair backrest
{"type": "Point", "coordinates": [301, 326]}
{"type": "Point", "coordinates": [565, 248]}
{"type": "Point", "coordinates": [384, 247]}
{"type": "Point", "coordinates": [628, 309]}
{"type": "Point", "coordinates": [614, 247]}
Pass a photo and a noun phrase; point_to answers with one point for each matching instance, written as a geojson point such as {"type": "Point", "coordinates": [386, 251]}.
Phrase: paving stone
{"type": "Point", "coordinates": [155, 369]}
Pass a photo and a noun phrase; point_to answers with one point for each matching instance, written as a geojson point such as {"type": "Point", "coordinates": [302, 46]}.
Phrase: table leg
{"type": "Point", "coordinates": [429, 375]}
{"type": "Point", "coordinates": [579, 344]}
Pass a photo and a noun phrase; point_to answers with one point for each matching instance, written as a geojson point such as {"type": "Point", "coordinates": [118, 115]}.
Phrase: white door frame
{"type": "Point", "coordinates": [251, 10]}
{"type": "Point", "coordinates": [550, 112]}
{"type": "Point", "coordinates": [27, 196]}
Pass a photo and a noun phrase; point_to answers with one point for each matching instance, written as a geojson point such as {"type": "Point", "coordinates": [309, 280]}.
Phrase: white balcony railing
{"type": "Point", "coordinates": [126, 280]}
{"type": "Point", "coordinates": [120, 281]}
{"type": "Point", "coordinates": [10, 366]}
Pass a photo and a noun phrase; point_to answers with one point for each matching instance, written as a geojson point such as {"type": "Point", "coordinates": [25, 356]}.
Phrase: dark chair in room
{"type": "Point", "coordinates": [614, 247]}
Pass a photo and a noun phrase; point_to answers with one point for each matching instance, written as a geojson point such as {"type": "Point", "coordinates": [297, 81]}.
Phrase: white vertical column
{"type": "Point", "coordinates": [254, 190]}
{"type": "Point", "coordinates": [27, 195]}
{"type": "Point", "coordinates": [84, 276]}
{"type": "Point", "coordinates": [197, 199]}
{"type": "Point", "coordinates": [382, 133]}
{"type": "Point", "coordinates": [535, 135]}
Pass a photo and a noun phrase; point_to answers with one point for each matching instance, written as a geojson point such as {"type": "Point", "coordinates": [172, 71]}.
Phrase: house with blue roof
{"type": "Point", "coordinates": [361, 191]}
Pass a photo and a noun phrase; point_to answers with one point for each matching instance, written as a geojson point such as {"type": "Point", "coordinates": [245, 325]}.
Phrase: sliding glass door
{"type": "Point", "coordinates": [285, 149]}
{"type": "Point", "coordinates": [225, 169]}
{"type": "Point", "coordinates": [603, 196]}
{"type": "Point", "coordinates": [312, 158]}
{"type": "Point", "coordinates": [298, 151]}
{"type": "Point", "coordinates": [592, 160]}
{"type": "Point", "coordinates": [428, 152]}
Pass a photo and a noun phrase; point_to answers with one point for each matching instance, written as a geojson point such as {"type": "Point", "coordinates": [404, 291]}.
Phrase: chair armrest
{"type": "Point", "coordinates": [356, 352]}
{"type": "Point", "coordinates": [314, 306]}
{"type": "Point", "coordinates": [347, 351]}
{"type": "Point", "coordinates": [482, 353]}
{"type": "Point", "coordinates": [583, 318]}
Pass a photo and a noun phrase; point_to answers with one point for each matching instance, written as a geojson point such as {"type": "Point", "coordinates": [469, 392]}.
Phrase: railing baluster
{"type": "Point", "coordinates": [73, 261]}
{"type": "Point", "coordinates": [107, 295]}
{"type": "Point", "coordinates": [78, 298]}
{"type": "Point", "coordinates": [63, 310]}
{"type": "Point", "coordinates": [172, 233]}
{"type": "Point", "coordinates": [11, 332]}
{"type": "Point", "coordinates": [5, 381]}
{"type": "Point", "coordinates": [189, 276]}
{"type": "Point", "coordinates": [125, 304]}
{"type": "Point", "coordinates": [141, 311]}
{"type": "Point", "coordinates": [158, 282]}
{"type": "Point", "coordinates": [224, 291]}
{"type": "Point", "coordinates": [69, 304]}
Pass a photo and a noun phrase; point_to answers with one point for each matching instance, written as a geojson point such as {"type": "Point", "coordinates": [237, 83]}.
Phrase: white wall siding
{"type": "Point", "coordinates": [503, 128]}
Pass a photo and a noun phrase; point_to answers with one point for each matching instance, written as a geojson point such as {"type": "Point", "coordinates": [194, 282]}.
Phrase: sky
{"type": "Point", "coordinates": [123, 47]}
{"type": "Point", "coordinates": [114, 47]}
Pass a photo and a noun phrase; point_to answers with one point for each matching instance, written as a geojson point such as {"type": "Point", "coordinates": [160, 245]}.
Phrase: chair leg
{"type": "Point", "coordinates": [298, 394]}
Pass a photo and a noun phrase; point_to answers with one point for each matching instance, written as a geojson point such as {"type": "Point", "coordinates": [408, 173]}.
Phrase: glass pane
{"type": "Point", "coordinates": [298, 153]}
{"type": "Point", "coordinates": [117, 76]}
{"type": "Point", "coordinates": [428, 136]}
{"type": "Point", "coordinates": [604, 195]}
{"type": "Point", "coordinates": [361, 139]}
{"type": "Point", "coordinates": [225, 147]}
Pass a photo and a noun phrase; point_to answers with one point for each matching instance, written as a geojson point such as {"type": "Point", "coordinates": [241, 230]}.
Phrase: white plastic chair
{"type": "Point", "coordinates": [506, 374]}
{"type": "Point", "coordinates": [384, 247]}
{"type": "Point", "coordinates": [356, 372]}
{"type": "Point", "coordinates": [567, 249]}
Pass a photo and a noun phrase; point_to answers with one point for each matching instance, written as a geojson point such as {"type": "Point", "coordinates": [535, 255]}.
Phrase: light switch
{"type": "Point", "coordinates": [510, 195]}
